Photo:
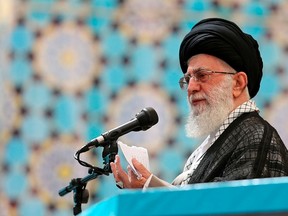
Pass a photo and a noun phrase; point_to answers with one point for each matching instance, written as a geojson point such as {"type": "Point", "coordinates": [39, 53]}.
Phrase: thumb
{"type": "Point", "coordinates": [141, 168]}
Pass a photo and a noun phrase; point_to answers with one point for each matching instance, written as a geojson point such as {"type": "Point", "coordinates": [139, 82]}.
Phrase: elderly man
{"type": "Point", "coordinates": [222, 70]}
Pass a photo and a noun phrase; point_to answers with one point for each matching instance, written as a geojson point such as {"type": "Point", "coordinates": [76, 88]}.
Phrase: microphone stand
{"type": "Point", "coordinates": [78, 185]}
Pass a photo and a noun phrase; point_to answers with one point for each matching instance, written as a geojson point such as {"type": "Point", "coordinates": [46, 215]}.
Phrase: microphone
{"type": "Point", "coordinates": [143, 120]}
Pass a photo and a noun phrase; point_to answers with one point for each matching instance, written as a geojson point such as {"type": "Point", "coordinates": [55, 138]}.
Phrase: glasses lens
{"type": "Point", "coordinates": [183, 83]}
{"type": "Point", "coordinates": [202, 76]}
{"type": "Point", "coordinates": [187, 79]}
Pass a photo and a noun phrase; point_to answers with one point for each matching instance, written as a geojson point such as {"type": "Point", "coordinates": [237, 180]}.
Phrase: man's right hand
{"type": "Point", "coordinates": [129, 179]}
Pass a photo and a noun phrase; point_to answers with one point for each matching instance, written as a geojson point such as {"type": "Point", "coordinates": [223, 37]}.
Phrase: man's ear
{"type": "Point", "coordinates": [240, 83]}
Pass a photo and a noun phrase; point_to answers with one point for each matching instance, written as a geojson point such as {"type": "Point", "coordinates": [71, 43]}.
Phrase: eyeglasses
{"type": "Point", "coordinates": [199, 76]}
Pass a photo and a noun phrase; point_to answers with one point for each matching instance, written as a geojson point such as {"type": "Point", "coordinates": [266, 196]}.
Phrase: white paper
{"type": "Point", "coordinates": [139, 153]}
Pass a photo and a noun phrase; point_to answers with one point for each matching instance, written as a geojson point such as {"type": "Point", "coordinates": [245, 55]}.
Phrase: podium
{"type": "Point", "coordinates": [241, 197]}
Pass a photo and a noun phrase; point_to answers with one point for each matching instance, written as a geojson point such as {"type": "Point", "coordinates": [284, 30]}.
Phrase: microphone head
{"type": "Point", "coordinates": [147, 117]}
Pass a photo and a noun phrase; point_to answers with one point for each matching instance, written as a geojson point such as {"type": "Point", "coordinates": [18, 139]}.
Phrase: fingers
{"type": "Point", "coordinates": [141, 168]}
{"type": "Point", "coordinates": [129, 179]}
{"type": "Point", "coordinates": [114, 171]}
{"type": "Point", "coordinates": [119, 174]}
{"type": "Point", "coordinates": [136, 181]}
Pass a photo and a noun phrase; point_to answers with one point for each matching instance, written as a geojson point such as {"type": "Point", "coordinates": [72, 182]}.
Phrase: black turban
{"type": "Point", "coordinates": [225, 40]}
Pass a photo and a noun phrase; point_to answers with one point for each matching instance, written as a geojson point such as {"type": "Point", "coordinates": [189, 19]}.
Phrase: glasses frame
{"type": "Point", "coordinates": [183, 80]}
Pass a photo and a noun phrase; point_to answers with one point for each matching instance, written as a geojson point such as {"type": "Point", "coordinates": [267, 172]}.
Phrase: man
{"type": "Point", "coordinates": [222, 70]}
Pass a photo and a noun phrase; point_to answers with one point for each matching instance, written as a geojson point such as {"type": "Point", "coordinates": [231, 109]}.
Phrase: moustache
{"type": "Point", "coordinates": [198, 96]}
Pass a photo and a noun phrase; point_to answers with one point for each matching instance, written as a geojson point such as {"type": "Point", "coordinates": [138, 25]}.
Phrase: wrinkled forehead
{"type": "Point", "coordinates": [206, 61]}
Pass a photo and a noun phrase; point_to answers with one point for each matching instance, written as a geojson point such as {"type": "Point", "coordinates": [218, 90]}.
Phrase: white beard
{"type": "Point", "coordinates": [206, 118]}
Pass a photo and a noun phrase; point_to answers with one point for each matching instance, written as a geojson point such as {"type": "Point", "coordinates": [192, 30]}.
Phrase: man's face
{"type": "Point", "coordinates": [210, 101]}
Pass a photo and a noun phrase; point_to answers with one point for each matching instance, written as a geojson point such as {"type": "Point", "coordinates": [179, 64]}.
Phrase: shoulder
{"type": "Point", "coordinates": [253, 125]}
{"type": "Point", "coordinates": [250, 130]}
{"type": "Point", "coordinates": [247, 126]}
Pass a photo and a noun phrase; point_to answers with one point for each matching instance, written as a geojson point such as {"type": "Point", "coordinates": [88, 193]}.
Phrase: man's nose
{"type": "Point", "coordinates": [193, 86]}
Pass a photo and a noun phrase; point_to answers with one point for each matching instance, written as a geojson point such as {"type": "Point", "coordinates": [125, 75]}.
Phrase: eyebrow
{"type": "Point", "coordinates": [196, 70]}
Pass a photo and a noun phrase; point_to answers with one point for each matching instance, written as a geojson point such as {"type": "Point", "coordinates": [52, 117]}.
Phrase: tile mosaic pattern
{"type": "Point", "coordinates": [71, 70]}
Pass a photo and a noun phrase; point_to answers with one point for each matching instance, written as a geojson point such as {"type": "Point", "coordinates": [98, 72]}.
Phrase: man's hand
{"type": "Point", "coordinates": [129, 179]}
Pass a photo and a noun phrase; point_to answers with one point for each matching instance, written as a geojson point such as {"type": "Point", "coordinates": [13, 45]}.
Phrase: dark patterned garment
{"type": "Point", "coordinates": [249, 148]}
